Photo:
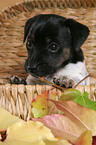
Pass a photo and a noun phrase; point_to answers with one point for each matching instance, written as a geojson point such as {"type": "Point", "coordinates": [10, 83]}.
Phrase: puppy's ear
{"type": "Point", "coordinates": [28, 26]}
{"type": "Point", "coordinates": [79, 33]}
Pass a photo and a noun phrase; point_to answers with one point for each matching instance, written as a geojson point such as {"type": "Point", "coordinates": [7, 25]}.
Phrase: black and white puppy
{"type": "Point", "coordinates": [53, 46]}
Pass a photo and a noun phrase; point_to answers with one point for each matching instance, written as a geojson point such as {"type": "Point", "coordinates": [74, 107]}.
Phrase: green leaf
{"type": "Point", "coordinates": [76, 96]}
{"type": "Point", "coordinates": [86, 94]}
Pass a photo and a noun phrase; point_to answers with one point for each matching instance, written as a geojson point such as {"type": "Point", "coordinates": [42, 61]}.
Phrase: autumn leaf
{"type": "Point", "coordinates": [1, 143]}
{"type": "Point", "coordinates": [85, 138]}
{"type": "Point", "coordinates": [76, 96]}
{"type": "Point", "coordinates": [40, 106]}
{"type": "Point", "coordinates": [63, 126]}
{"type": "Point", "coordinates": [6, 119]}
{"type": "Point", "coordinates": [83, 114]}
{"type": "Point", "coordinates": [56, 142]}
{"type": "Point", "coordinates": [31, 133]}
{"type": "Point", "coordinates": [77, 119]}
{"type": "Point", "coordinates": [94, 140]}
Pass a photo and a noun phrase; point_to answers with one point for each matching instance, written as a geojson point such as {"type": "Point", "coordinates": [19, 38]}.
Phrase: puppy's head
{"type": "Point", "coordinates": [52, 42]}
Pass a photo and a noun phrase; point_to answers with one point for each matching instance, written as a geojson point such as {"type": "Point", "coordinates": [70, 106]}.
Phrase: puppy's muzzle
{"type": "Point", "coordinates": [38, 70]}
{"type": "Point", "coordinates": [32, 69]}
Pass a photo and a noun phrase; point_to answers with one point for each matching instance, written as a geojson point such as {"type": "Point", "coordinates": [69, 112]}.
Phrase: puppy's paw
{"type": "Point", "coordinates": [17, 80]}
{"type": "Point", "coordinates": [64, 81]}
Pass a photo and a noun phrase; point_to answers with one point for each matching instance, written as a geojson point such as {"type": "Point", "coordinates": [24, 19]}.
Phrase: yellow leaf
{"type": "Point", "coordinates": [28, 131]}
{"type": "Point", "coordinates": [56, 142]}
{"type": "Point", "coordinates": [31, 133]}
{"type": "Point", "coordinates": [6, 119]}
{"type": "Point", "coordinates": [85, 138]}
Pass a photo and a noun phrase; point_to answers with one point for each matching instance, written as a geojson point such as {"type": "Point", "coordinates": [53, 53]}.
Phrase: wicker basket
{"type": "Point", "coordinates": [13, 52]}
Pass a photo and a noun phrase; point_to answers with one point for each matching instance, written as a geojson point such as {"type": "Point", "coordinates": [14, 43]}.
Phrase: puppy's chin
{"type": "Point", "coordinates": [37, 75]}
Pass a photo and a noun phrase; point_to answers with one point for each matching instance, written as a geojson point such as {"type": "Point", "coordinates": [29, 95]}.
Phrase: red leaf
{"type": "Point", "coordinates": [94, 140]}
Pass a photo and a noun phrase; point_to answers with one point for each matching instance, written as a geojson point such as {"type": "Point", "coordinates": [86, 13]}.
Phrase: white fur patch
{"type": "Point", "coordinates": [73, 71]}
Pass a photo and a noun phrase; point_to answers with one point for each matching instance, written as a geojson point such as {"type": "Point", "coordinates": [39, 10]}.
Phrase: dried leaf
{"type": "Point", "coordinates": [56, 142]}
{"type": "Point", "coordinates": [63, 126]}
{"type": "Point", "coordinates": [94, 140]}
{"type": "Point", "coordinates": [83, 115]}
{"type": "Point", "coordinates": [85, 138]}
{"type": "Point", "coordinates": [31, 133]}
{"type": "Point", "coordinates": [40, 106]}
{"type": "Point", "coordinates": [77, 119]}
{"type": "Point", "coordinates": [6, 119]}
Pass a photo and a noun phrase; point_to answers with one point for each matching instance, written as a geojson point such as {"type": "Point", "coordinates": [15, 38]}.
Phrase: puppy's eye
{"type": "Point", "coordinates": [29, 44]}
{"type": "Point", "coordinates": [53, 47]}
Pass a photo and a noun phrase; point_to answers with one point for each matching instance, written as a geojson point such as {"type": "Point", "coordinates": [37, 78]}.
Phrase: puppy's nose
{"type": "Point", "coordinates": [32, 68]}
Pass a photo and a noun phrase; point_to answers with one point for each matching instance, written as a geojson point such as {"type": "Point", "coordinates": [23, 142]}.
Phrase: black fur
{"type": "Point", "coordinates": [48, 36]}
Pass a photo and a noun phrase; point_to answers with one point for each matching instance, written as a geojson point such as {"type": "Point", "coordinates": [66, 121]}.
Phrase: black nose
{"type": "Point", "coordinates": [32, 68]}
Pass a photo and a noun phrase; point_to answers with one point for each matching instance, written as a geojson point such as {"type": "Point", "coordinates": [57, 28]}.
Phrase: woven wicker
{"type": "Point", "coordinates": [17, 99]}
{"type": "Point", "coordinates": [13, 52]}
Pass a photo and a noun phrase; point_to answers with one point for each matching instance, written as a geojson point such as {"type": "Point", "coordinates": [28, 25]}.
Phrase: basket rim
{"type": "Point", "coordinates": [19, 7]}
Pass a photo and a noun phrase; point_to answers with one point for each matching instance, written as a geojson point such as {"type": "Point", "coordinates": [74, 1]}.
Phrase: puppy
{"type": "Point", "coordinates": [54, 50]}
